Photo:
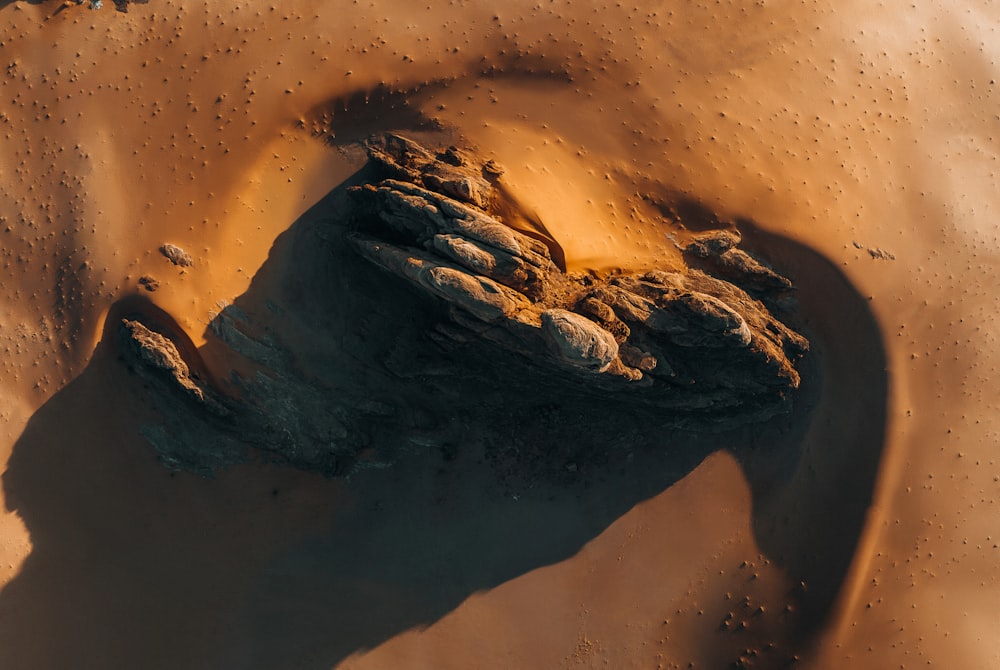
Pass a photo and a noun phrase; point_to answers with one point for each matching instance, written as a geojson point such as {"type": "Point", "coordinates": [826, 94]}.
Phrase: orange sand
{"type": "Point", "coordinates": [192, 123]}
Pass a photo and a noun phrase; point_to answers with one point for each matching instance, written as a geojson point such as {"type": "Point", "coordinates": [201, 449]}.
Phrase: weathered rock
{"type": "Point", "coordinates": [703, 341]}
{"type": "Point", "coordinates": [489, 329]}
{"type": "Point", "coordinates": [637, 358]}
{"type": "Point", "coordinates": [449, 172]}
{"type": "Point", "coordinates": [149, 283]}
{"type": "Point", "coordinates": [739, 264]}
{"type": "Point", "coordinates": [714, 243]}
{"type": "Point", "coordinates": [698, 319]}
{"type": "Point", "coordinates": [502, 266]}
{"type": "Point", "coordinates": [158, 358]}
{"type": "Point", "coordinates": [176, 255]}
{"type": "Point", "coordinates": [492, 171]}
{"type": "Point", "coordinates": [600, 312]}
{"type": "Point", "coordinates": [480, 296]}
{"type": "Point", "coordinates": [425, 214]}
{"type": "Point", "coordinates": [578, 340]}
{"type": "Point", "coordinates": [718, 253]}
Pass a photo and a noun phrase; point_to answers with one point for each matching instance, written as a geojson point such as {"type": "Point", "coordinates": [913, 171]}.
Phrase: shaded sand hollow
{"type": "Point", "coordinates": [858, 142]}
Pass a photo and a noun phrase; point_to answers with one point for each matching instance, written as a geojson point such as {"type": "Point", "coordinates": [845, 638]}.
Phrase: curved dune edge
{"type": "Point", "coordinates": [758, 549]}
{"type": "Point", "coordinates": [771, 110]}
{"type": "Point", "coordinates": [757, 606]}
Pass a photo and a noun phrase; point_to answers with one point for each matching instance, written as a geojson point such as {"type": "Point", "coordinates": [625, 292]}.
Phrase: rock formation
{"type": "Point", "coordinates": [176, 255]}
{"type": "Point", "coordinates": [493, 343]}
{"type": "Point", "coordinates": [677, 339]}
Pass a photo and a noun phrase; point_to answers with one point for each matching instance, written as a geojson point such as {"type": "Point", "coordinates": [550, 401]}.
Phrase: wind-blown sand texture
{"type": "Point", "coordinates": [183, 167]}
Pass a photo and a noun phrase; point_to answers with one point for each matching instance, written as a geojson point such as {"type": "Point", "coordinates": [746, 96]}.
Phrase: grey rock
{"type": "Point", "coordinates": [478, 295]}
{"type": "Point", "coordinates": [719, 254]}
{"type": "Point", "coordinates": [578, 340]}
{"type": "Point", "coordinates": [176, 255]}
{"type": "Point", "coordinates": [149, 283]}
{"type": "Point", "coordinates": [739, 264]}
{"type": "Point", "coordinates": [450, 172]}
{"type": "Point", "coordinates": [159, 359]}
{"type": "Point", "coordinates": [713, 243]}
{"type": "Point", "coordinates": [603, 314]}
{"type": "Point", "coordinates": [504, 267]}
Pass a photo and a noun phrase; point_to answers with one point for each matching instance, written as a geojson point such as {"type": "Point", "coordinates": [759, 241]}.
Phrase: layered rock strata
{"type": "Point", "coordinates": [687, 338]}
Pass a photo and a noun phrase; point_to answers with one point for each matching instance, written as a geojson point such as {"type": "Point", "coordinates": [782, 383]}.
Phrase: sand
{"type": "Point", "coordinates": [863, 135]}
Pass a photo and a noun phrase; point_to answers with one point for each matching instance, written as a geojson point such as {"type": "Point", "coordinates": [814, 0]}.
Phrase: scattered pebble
{"type": "Point", "coordinates": [176, 255]}
{"type": "Point", "coordinates": [149, 283]}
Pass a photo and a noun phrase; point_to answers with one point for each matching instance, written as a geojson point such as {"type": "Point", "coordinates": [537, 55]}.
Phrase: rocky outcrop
{"type": "Point", "coordinates": [679, 338]}
{"type": "Point", "coordinates": [342, 367]}
{"type": "Point", "coordinates": [176, 255]}
{"type": "Point", "coordinates": [160, 361]}
{"type": "Point", "coordinates": [452, 172]}
{"type": "Point", "coordinates": [718, 253]}
{"type": "Point", "coordinates": [579, 341]}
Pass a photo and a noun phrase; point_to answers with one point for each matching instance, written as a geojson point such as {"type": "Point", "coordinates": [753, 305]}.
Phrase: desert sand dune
{"type": "Point", "coordinates": [346, 567]}
{"type": "Point", "coordinates": [856, 531]}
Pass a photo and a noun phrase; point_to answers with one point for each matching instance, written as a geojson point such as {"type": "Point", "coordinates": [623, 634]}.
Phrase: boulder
{"type": "Point", "coordinates": [176, 255]}
{"type": "Point", "coordinates": [579, 341]}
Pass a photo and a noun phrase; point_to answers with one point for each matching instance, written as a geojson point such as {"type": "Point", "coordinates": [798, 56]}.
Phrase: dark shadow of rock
{"type": "Point", "coordinates": [472, 472]}
{"type": "Point", "coordinates": [812, 492]}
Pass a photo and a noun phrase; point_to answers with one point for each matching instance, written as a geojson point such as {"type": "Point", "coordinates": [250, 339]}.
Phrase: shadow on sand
{"type": "Point", "coordinates": [264, 566]}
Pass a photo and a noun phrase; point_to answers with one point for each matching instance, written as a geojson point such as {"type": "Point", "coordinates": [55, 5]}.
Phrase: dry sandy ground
{"type": "Point", "coordinates": [845, 127]}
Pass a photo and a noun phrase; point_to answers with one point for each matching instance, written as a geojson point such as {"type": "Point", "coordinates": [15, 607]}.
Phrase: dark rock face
{"type": "Point", "coordinates": [467, 331]}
